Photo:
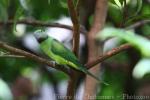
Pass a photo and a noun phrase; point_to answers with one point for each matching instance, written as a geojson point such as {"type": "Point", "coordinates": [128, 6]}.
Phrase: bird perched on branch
{"type": "Point", "coordinates": [60, 54]}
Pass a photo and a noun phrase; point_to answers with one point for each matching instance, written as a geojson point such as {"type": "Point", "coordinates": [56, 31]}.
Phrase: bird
{"type": "Point", "coordinates": [60, 54]}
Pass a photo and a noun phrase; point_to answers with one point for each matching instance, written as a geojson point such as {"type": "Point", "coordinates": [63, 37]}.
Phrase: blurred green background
{"type": "Point", "coordinates": [127, 73]}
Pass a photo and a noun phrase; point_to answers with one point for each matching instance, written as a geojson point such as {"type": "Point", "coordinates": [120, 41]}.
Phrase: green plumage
{"type": "Point", "coordinates": [59, 53]}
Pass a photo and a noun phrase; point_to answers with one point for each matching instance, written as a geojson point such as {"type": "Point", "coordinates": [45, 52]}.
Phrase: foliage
{"type": "Point", "coordinates": [121, 14]}
{"type": "Point", "coordinates": [131, 37]}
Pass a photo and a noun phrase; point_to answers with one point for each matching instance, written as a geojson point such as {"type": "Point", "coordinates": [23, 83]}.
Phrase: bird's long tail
{"type": "Point", "coordinates": [93, 76]}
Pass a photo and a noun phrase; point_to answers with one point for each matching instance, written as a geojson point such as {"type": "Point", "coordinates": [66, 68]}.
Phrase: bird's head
{"type": "Point", "coordinates": [40, 35]}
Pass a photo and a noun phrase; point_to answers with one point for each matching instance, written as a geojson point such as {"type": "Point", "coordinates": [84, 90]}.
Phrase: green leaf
{"type": "Point", "coordinates": [145, 9]}
{"type": "Point", "coordinates": [18, 14]}
{"type": "Point", "coordinates": [63, 4]}
{"type": "Point", "coordinates": [131, 37]}
{"type": "Point", "coordinates": [4, 2]}
{"type": "Point", "coordinates": [122, 2]}
{"type": "Point", "coordinates": [142, 68]}
{"type": "Point", "coordinates": [119, 3]}
{"type": "Point", "coordinates": [139, 6]}
{"type": "Point", "coordinates": [25, 4]}
{"type": "Point", "coordinates": [112, 1]}
{"type": "Point", "coordinates": [137, 18]}
{"type": "Point", "coordinates": [5, 92]}
{"type": "Point", "coordinates": [49, 1]}
{"type": "Point", "coordinates": [115, 14]}
{"type": "Point", "coordinates": [146, 30]}
{"type": "Point", "coordinates": [3, 12]}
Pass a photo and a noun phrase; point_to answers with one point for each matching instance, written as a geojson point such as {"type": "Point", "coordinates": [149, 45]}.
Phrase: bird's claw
{"type": "Point", "coordinates": [53, 63]}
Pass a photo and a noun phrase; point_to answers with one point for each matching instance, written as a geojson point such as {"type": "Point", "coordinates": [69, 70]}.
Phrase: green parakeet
{"type": "Point", "coordinates": [59, 53]}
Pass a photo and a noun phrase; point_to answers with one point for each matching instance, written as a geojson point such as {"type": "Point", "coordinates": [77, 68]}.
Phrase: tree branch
{"type": "Point", "coordinates": [108, 55]}
{"type": "Point", "coordinates": [23, 54]}
{"type": "Point", "coordinates": [94, 49]}
{"type": "Point", "coordinates": [137, 24]}
{"type": "Point", "coordinates": [76, 26]}
{"type": "Point", "coordinates": [41, 23]}
{"type": "Point", "coordinates": [31, 56]}
{"type": "Point", "coordinates": [76, 39]}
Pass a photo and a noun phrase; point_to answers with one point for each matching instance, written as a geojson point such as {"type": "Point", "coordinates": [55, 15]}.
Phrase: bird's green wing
{"type": "Point", "coordinates": [60, 50]}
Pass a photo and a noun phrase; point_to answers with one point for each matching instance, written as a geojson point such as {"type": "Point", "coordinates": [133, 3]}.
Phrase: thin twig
{"type": "Point", "coordinates": [137, 24]}
{"type": "Point", "coordinates": [77, 4]}
{"type": "Point", "coordinates": [108, 55]}
{"type": "Point", "coordinates": [41, 23]}
{"type": "Point", "coordinates": [31, 56]}
{"type": "Point", "coordinates": [11, 56]}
